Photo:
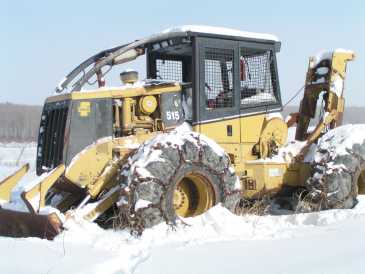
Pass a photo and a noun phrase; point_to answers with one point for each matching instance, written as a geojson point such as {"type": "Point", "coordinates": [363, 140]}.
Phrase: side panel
{"type": "Point", "coordinates": [227, 131]}
{"type": "Point", "coordinates": [227, 135]}
{"type": "Point", "coordinates": [251, 128]}
{"type": "Point", "coordinates": [238, 136]}
{"type": "Point", "coordinates": [87, 166]}
{"type": "Point", "coordinates": [90, 120]}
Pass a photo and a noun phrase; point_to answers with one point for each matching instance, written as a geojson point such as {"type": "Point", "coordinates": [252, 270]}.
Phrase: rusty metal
{"type": "Point", "coordinates": [23, 224]}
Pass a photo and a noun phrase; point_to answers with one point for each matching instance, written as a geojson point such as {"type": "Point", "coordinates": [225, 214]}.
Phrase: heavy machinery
{"type": "Point", "coordinates": [119, 153]}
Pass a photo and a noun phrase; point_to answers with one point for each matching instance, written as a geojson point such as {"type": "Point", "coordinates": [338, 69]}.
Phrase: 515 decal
{"type": "Point", "coordinates": [173, 115]}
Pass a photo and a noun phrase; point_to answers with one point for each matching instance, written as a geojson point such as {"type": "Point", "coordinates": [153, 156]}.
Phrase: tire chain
{"type": "Point", "coordinates": [321, 202]}
{"type": "Point", "coordinates": [133, 220]}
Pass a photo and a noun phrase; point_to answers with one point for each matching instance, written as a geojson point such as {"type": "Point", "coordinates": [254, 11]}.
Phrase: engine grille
{"type": "Point", "coordinates": [51, 136]}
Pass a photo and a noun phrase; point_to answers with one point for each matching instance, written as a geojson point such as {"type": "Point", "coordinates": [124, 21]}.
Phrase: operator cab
{"type": "Point", "coordinates": [228, 73]}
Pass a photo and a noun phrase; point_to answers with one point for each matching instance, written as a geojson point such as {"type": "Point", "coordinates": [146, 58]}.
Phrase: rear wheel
{"type": "Point", "coordinates": [176, 175]}
{"type": "Point", "coordinates": [339, 170]}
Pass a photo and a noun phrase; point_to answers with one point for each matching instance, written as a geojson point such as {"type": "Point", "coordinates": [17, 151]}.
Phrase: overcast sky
{"type": "Point", "coordinates": [41, 41]}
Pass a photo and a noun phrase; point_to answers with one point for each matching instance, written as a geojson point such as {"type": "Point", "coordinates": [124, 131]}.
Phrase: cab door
{"type": "Point", "coordinates": [218, 94]}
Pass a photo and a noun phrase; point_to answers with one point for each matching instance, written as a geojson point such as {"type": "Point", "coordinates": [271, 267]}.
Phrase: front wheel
{"type": "Point", "coordinates": [176, 175]}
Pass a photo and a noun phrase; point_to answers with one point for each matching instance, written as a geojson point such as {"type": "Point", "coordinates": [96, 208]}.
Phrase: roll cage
{"type": "Point", "coordinates": [230, 75]}
{"type": "Point", "coordinates": [110, 57]}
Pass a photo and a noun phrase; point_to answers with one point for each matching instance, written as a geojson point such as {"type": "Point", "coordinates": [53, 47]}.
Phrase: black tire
{"type": "Point", "coordinates": [165, 163]}
{"type": "Point", "coordinates": [336, 176]}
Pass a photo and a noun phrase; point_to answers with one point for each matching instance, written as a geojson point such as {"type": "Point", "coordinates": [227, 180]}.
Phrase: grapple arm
{"type": "Point", "coordinates": [326, 73]}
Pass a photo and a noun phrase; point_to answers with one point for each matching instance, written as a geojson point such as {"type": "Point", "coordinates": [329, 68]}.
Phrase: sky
{"type": "Point", "coordinates": [41, 41]}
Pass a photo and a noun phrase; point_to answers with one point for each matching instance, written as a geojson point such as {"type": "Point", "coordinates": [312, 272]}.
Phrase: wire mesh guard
{"type": "Point", "coordinates": [218, 77]}
{"type": "Point", "coordinates": [256, 78]}
{"type": "Point", "coordinates": [51, 135]}
{"type": "Point", "coordinates": [169, 70]}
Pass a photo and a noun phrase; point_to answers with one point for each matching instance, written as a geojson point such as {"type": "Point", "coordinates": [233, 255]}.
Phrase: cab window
{"type": "Point", "coordinates": [257, 77]}
{"type": "Point", "coordinates": [218, 77]}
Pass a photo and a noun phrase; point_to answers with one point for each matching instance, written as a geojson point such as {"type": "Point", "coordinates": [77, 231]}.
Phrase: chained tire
{"type": "Point", "coordinates": [175, 175]}
{"type": "Point", "coordinates": [338, 170]}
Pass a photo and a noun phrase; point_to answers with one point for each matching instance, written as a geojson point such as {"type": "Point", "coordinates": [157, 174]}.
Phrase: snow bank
{"type": "Point", "coordinates": [334, 248]}
{"type": "Point", "coordinates": [219, 224]}
{"type": "Point", "coordinates": [86, 248]}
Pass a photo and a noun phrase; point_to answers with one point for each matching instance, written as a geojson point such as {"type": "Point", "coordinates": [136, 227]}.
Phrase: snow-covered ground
{"type": "Point", "coordinates": [216, 242]}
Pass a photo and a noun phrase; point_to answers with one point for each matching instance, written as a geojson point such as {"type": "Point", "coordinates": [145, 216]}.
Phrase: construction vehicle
{"type": "Point", "coordinates": [119, 152]}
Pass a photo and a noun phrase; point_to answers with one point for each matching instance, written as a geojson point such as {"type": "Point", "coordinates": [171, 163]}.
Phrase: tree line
{"type": "Point", "coordinates": [19, 123]}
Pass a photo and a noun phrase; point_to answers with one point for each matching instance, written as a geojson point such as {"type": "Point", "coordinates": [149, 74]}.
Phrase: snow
{"type": "Point", "coordinates": [287, 119]}
{"type": "Point", "coordinates": [176, 138]}
{"type": "Point", "coordinates": [141, 204]}
{"type": "Point", "coordinates": [290, 150]}
{"type": "Point", "coordinates": [322, 70]}
{"type": "Point", "coordinates": [215, 242]}
{"type": "Point", "coordinates": [337, 85]}
{"type": "Point", "coordinates": [221, 31]}
{"type": "Point", "coordinates": [327, 55]}
{"type": "Point", "coordinates": [314, 250]}
{"type": "Point", "coordinates": [273, 115]}
{"type": "Point", "coordinates": [263, 97]}
{"type": "Point", "coordinates": [342, 139]}
{"type": "Point", "coordinates": [184, 127]}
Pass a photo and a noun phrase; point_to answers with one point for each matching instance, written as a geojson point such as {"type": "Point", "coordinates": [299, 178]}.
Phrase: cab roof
{"type": "Point", "coordinates": [201, 30]}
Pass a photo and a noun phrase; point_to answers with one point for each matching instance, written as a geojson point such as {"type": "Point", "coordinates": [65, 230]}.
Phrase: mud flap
{"type": "Point", "coordinates": [23, 224]}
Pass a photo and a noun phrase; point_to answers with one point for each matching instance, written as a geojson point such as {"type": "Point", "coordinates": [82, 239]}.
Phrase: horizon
{"type": "Point", "coordinates": [44, 41]}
